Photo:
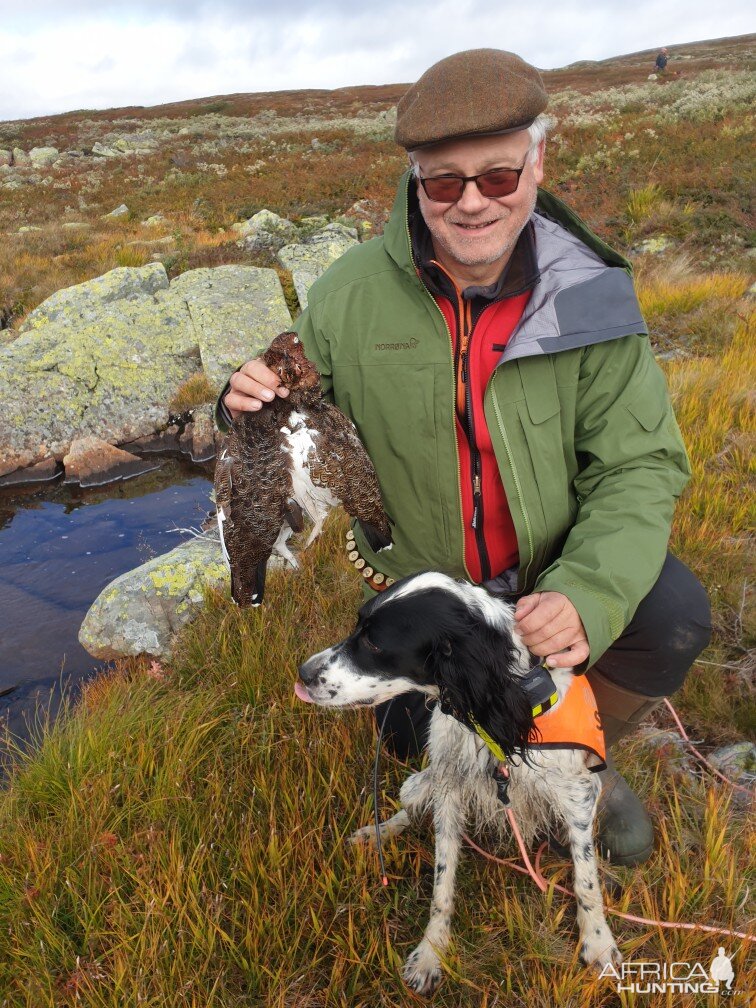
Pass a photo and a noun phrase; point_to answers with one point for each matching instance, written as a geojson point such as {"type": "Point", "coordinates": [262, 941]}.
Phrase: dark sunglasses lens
{"type": "Point", "coordinates": [443, 189]}
{"type": "Point", "coordinates": [498, 183]}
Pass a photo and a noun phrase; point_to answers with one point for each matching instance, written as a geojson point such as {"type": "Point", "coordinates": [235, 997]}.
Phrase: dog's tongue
{"type": "Point", "coordinates": [301, 690]}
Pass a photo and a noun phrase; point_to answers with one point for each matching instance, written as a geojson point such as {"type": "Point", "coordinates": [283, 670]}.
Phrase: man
{"type": "Point", "coordinates": [492, 355]}
{"type": "Point", "coordinates": [661, 61]}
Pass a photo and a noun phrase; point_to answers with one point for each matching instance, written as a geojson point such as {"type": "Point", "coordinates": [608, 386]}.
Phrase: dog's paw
{"type": "Point", "coordinates": [600, 951]}
{"type": "Point", "coordinates": [422, 970]}
{"type": "Point", "coordinates": [364, 835]}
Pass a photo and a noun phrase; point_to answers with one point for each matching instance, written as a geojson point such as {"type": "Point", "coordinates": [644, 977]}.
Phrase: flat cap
{"type": "Point", "coordinates": [479, 92]}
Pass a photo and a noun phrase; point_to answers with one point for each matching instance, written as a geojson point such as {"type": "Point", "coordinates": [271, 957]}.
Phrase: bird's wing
{"type": "Point", "coordinates": [343, 465]}
{"type": "Point", "coordinates": [252, 486]}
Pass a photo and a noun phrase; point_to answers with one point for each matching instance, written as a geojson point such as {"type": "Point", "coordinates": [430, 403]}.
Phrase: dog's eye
{"type": "Point", "coordinates": [369, 644]}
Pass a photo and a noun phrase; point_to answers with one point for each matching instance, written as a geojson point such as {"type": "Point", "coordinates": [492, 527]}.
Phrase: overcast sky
{"type": "Point", "coordinates": [60, 55]}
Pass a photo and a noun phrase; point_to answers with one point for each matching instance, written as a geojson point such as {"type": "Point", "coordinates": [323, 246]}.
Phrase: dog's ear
{"type": "Point", "coordinates": [474, 667]}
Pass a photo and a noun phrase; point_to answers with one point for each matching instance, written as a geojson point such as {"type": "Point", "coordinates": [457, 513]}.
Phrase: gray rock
{"type": "Point", "coordinates": [236, 312]}
{"type": "Point", "coordinates": [198, 438]}
{"type": "Point", "coordinates": [669, 747]}
{"type": "Point", "coordinates": [312, 258]}
{"type": "Point", "coordinates": [20, 158]}
{"type": "Point", "coordinates": [140, 611]}
{"type": "Point", "coordinates": [43, 157]}
{"type": "Point", "coordinates": [120, 211]}
{"type": "Point", "coordinates": [102, 358]}
{"type": "Point", "coordinates": [736, 761]}
{"type": "Point", "coordinates": [6, 158]}
{"type": "Point", "coordinates": [75, 225]}
{"type": "Point", "coordinates": [100, 150]}
{"type": "Point", "coordinates": [265, 231]}
{"type": "Point", "coordinates": [91, 462]}
{"type": "Point", "coordinates": [135, 143]}
{"type": "Point", "coordinates": [157, 220]}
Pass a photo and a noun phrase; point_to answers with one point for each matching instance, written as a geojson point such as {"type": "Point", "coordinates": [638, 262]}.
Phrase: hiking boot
{"type": "Point", "coordinates": [625, 832]}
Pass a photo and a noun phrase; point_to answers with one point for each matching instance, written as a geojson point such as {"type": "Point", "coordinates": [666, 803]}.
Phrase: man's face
{"type": "Point", "coordinates": [474, 237]}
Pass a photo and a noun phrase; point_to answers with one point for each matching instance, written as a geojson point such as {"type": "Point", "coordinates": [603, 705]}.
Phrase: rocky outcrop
{"type": "Point", "coordinates": [43, 157]}
{"type": "Point", "coordinates": [92, 462]}
{"type": "Point", "coordinates": [235, 311]}
{"type": "Point", "coordinates": [265, 232]}
{"type": "Point", "coordinates": [310, 259]}
{"type": "Point", "coordinates": [104, 358]}
{"type": "Point", "coordinates": [140, 611]}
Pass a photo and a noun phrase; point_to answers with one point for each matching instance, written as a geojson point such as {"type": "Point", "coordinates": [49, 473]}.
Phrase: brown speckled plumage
{"type": "Point", "coordinates": [262, 487]}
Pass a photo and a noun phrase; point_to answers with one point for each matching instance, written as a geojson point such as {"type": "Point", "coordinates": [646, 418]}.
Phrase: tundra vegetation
{"type": "Point", "coordinates": [178, 839]}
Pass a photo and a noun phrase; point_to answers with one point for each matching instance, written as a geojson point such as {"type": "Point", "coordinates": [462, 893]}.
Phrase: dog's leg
{"type": "Point", "coordinates": [414, 796]}
{"type": "Point", "coordinates": [422, 970]}
{"type": "Point", "coordinates": [597, 945]}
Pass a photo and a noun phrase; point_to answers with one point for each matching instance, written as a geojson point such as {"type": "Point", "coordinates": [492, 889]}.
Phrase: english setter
{"type": "Point", "coordinates": [457, 644]}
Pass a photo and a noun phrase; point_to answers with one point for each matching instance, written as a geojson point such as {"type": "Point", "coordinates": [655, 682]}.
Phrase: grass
{"type": "Point", "coordinates": [178, 838]}
{"type": "Point", "coordinates": [195, 391]}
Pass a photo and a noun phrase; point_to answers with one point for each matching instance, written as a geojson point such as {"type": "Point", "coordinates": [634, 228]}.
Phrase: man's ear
{"type": "Point", "coordinates": [538, 163]}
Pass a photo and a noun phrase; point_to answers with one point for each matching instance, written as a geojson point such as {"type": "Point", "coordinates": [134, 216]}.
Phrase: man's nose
{"type": "Point", "coordinates": [472, 199]}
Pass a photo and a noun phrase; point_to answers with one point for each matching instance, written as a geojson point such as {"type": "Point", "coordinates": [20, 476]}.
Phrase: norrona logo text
{"type": "Point", "coordinates": [409, 345]}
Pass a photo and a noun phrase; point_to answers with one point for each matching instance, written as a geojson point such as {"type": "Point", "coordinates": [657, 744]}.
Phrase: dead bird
{"type": "Point", "coordinates": [296, 456]}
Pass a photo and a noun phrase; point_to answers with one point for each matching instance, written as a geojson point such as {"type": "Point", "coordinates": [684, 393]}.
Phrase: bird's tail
{"type": "Point", "coordinates": [249, 591]}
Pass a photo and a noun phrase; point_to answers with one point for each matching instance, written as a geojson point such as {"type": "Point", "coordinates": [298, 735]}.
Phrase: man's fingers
{"type": "Point", "coordinates": [526, 605]}
{"type": "Point", "coordinates": [251, 387]}
{"type": "Point", "coordinates": [553, 640]}
{"type": "Point", "coordinates": [546, 611]}
{"type": "Point", "coordinates": [573, 656]}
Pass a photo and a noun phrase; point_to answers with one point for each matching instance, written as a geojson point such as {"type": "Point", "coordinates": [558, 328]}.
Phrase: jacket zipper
{"type": "Point", "coordinates": [454, 376]}
{"type": "Point", "coordinates": [464, 335]}
{"type": "Point", "coordinates": [524, 569]}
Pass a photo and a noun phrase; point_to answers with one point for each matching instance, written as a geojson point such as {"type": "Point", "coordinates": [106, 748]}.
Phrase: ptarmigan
{"type": "Point", "coordinates": [295, 456]}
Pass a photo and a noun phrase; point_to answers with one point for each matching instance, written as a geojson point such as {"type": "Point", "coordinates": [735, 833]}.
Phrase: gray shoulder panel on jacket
{"type": "Point", "coordinates": [601, 308]}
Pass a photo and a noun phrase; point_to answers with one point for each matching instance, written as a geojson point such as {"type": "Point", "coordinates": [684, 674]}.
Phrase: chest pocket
{"type": "Point", "coordinates": [544, 424]}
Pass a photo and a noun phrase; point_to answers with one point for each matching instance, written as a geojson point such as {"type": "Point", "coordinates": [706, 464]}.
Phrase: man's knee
{"type": "Point", "coordinates": [670, 628]}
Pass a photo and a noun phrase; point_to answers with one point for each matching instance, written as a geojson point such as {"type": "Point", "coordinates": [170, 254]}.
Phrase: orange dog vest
{"type": "Point", "coordinates": [573, 724]}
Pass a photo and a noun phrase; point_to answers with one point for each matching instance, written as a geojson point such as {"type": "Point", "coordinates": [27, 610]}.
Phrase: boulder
{"type": "Point", "coordinates": [312, 258]}
{"type": "Point", "coordinates": [140, 611]}
{"type": "Point", "coordinates": [161, 441]}
{"type": "Point", "coordinates": [99, 359]}
{"type": "Point", "coordinates": [92, 462]}
{"type": "Point", "coordinates": [42, 472]}
{"type": "Point", "coordinates": [157, 220]}
{"type": "Point", "coordinates": [236, 312]}
{"type": "Point", "coordinates": [20, 158]}
{"type": "Point", "coordinates": [198, 437]}
{"type": "Point", "coordinates": [135, 143]}
{"type": "Point", "coordinates": [104, 358]}
{"type": "Point", "coordinates": [43, 157]}
{"type": "Point", "coordinates": [6, 158]}
{"type": "Point", "coordinates": [100, 150]}
{"type": "Point", "coordinates": [265, 231]}
{"type": "Point", "coordinates": [120, 211]}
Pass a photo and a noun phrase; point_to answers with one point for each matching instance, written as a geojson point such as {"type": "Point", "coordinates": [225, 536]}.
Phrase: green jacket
{"type": "Point", "coordinates": [589, 451]}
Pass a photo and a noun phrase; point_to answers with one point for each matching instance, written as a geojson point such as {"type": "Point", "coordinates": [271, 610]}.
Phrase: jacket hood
{"type": "Point", "coordinates": [585, 294]}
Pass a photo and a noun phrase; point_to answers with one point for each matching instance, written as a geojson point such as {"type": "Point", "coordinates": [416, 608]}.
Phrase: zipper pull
{"type": "Point", "coordinates": [476, 501]}
{"type": "Point", "coordinates": [464, 367]}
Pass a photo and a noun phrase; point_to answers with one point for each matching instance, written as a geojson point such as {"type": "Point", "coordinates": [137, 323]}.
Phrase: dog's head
{"type": "Point", "coordinates": [445, 638]}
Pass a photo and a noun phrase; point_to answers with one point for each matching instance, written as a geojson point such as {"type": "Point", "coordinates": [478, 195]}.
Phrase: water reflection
{"type": "Point", "coordinates": [59, 547]}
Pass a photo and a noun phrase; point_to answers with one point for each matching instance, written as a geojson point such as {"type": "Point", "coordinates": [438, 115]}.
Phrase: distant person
{"type": "Point", "coordinates": [661, 61]}
{"type": "Point", "coordinates": [491, 352]}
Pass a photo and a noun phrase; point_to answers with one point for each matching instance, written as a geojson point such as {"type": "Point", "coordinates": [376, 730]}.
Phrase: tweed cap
{"type": "Point", "coordinates": [479, 92]}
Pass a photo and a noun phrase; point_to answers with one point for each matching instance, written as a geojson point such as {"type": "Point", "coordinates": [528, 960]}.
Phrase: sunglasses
{"type": "Point", "coordinates": [492, 184]}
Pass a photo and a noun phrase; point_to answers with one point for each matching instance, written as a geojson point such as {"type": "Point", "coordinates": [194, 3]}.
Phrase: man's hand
{"type": "Point", "coordinates": [550, 628]}
{"type": "Point", "coordinates": [253, 385]}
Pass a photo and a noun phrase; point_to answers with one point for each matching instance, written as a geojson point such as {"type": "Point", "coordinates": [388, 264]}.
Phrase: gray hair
{"type": "Point", "coordinates": [537, 131]}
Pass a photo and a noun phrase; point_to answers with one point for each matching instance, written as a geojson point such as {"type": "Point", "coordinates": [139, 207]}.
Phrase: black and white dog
{"type": "Point", "coordinates": [456, 643]}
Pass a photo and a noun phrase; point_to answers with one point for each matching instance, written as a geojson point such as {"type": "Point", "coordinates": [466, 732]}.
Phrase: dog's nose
{"type": "Point", "coordinates": [308, 671]}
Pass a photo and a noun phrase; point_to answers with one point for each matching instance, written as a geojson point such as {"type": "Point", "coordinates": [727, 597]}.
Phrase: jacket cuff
{"type": "Point", "coordinates": [601, 617]}
{"type": "Point", "coordinates": [223, 418]}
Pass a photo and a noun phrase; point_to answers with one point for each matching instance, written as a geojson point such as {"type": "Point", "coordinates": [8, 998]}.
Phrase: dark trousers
{"type": "Point", "coordinates": [651, 658]}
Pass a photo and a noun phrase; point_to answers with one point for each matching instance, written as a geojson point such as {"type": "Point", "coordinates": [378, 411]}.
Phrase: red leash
{"type": "Point", "coordinates": [540, 881]}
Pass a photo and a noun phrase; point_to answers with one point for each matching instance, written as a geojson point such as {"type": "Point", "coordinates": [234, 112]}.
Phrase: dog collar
{"type": "Point", "coordinates": [542, 694]}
